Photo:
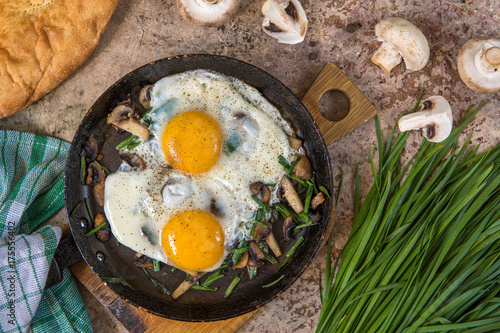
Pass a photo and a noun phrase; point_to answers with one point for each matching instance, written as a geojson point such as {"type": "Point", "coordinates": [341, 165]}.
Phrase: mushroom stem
{"type": "Point", "coordinates": [273, 244]}
{"type": "Point", "coordinates": [491, 59]}
{"type": "Point", "coordinates": [387, 57]}
{"type": "Point", "coordinates": [478, 64]}
{"type": "Point", "coordinates": [186, 285]}
{"type": "Point", "coordinates": [291, 195]}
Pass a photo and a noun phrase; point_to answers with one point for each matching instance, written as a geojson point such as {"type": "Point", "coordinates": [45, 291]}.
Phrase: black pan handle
{"type": "Point", "coordinates": [66, 255]}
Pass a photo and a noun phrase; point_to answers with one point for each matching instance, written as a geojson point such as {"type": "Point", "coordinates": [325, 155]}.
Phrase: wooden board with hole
{"type": "Point", "coordinates": [360, 108]}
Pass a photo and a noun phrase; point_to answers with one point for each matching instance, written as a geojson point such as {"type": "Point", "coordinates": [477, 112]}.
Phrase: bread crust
{"type": "Point", "coordinates": [42, 42]}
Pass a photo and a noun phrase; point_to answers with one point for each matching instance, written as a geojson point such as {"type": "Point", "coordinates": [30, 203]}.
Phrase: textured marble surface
{"type": "Point", "coordinates": [141, 31]}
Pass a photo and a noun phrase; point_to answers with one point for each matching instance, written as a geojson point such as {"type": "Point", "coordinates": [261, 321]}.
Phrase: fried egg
{"type": "Point", "coordinates": [211, 136]}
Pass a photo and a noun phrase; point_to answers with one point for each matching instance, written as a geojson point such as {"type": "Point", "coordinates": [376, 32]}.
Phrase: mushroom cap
{"type": "Point", "coordinates": [436, 122]}
{"type": "Point", "coordinates": [407, 39]}
{"type": "Point", "coordinates": [288, 24]}
{"type": "Point", "coordinates": [208, 13]}
{"type": "Point", "coordinates": [478, 64]}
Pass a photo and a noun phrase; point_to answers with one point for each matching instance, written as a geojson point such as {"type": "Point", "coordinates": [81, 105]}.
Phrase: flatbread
{"type": "Point", "coordinates": [42, 42]}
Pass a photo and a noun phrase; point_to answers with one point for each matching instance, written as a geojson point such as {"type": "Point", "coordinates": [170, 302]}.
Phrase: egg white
{"type": "Point", "coordinates": [139, 204]}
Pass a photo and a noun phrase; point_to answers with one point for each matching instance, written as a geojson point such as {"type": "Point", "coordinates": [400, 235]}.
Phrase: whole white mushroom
{"type": "Point", "coordinates": [401, 40]}
{"type": "Point", "coordinates": [208, 13]}
{"type": "Point", "coordinates": [478, 64]}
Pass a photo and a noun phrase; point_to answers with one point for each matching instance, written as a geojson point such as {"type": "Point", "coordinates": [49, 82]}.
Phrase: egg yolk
{"type": "Point", "coordinates": [193, 240]}
{"type": "Point", "coordinates": [192, 142]}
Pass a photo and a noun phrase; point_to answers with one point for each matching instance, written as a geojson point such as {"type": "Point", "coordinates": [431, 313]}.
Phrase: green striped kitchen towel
{"type": "Point", "coordinates": [31, 190]}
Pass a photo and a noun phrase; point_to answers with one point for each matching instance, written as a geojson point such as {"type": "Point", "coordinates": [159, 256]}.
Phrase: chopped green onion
{"type": "Point", "coordinates": [133, 145]}
{"type": "Point", "coordinates": [285, 212]}
{"type": "Point", "coordinates": [173, 269]}
{"type": "Point", "coordinates": [283, 162]}
{"type": "Point", "coordinates": [259, 215]}
{"type": "Point", "coordinates": [270, 184]}
{"type": "Point", "coordinates": [203, 288]}
{"type": "Point", "coordinates": [308, 200]}
{"type": "Point", "coordinates": [274, 282]}
{"type": "Point", "coordinates": [237, 256]}
{"type": "Point", "coordinates": [117, 280]}
{"type": "Point", "coordinates": [252, 271]}
{"type": "Point", "coordinates": [292, 250]}
{"type": "Point", "coordinates": [239, 250]}
{"type": "Point", "coordinates": [214, 276]}
{"type": "Point", "coordinates": [127, 141]}
{"type": "Point", "coordinates": [96, 229]}
{"type": "Point", "coordinates": [156, 265]}
{"type": "Point", "coordinates": [292, 166]}
{"type": "Point", "coordinates": [325, 191]}
{"type": "Point", "coordinates": [270, 257]}
{"type": "Point", "coordinates": [103, 167]}
{"type": "Point", "coordinates": [233, 284]}
{"type": "Point", "coordinates": [88, 209]}
{"type": "Point", "coordinates": [230, 146]}
{"type": "Point", "coordinates": [146, 113]}
{"type": "Point", "coordinates": [161, 288]}
{"type": "Point", "coordinates": [72, 215]}
{"type": "Point", "coordinates": [302, 182]}
{"type": "Point", "coordinates": [83, 169]}
{"type": "Point", "coordinates": [261, 204]}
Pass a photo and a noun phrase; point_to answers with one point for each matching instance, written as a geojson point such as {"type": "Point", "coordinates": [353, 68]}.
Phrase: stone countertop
{"type": "Point", "coordinates": [143, 31]}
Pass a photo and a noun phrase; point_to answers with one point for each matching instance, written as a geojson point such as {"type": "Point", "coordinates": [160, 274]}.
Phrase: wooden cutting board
{"type": "Point", "coordinates": [138, 320]}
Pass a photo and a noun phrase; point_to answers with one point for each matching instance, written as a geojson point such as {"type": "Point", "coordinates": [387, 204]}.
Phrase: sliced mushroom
{"type": "Point", "coordinates": [91, 149]}
{"type": "Point", "coordinates": [401, 40]}
{"type": "Point", "coordinates": [122, 117]}
{"type": "Point", "coordinates": [303, 169]}
{"type": "Point", "coordinates": [255, 252]}
{"type": "Point", "coordinates": [140, 260]}
{"type": "Point", "coordinates": [145, 96]}
{"type": "Point", "coordinates": [295, 143]}
{"type": "Point", "coordinates": [288, 226]}
{"type": "Point", "coordinates": [258, 188]}
{"type": "Point", "coordinates": [208, 13]}
{"type": "Point", "coordinates": [478, 64]}
{"type": "Point", "coordinates": [265, 194]}
{"type": "Point", "coordinates": [261, 232]}
{"type": "Point", "coordinates": [317, 200]}
{"type": "Point", "coordinates": [287, 22]}
{"type": "Point", "coordinates": [102, 235]}
{"type": "Point", "coordinates": [252, 263]}
{"type": "Point", "coordinates": [315, 217]}
{"type": "Point", "coordinates": [436, 123]}
{"type": "Point", "coordinates": [135, 161]}
{"type": "Point", "coordinates": [273, 244]}
{"type": "Point", "coordinates": [255, 187]}
{"type": "Point", "coordinates": [186, 285]}
{"type": "Point", "coordinates": [98, 192]}
{"type": "Point", "coordinates": [243, 261]}
{"type": "Point", "coordinates": [291, 195]}
{"type": "Point", "coordinates": [95, 174]}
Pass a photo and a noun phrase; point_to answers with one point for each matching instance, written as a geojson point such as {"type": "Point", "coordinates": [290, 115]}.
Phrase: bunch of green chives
{"type": "Point", "coordinates": [424, 251]}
